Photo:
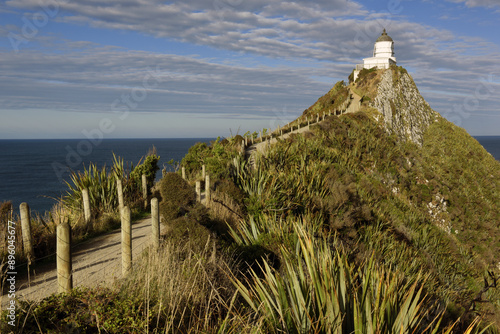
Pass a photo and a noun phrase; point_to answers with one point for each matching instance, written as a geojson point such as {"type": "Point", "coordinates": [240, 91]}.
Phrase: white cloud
{"type": "Point", "coordinates": [93, 77]}
{"type": "Point", "coordinates": [326, 37]}
{"type": "Point", "coordinates": [479, 3]}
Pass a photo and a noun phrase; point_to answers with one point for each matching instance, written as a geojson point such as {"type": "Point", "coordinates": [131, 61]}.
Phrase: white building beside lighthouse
{"type": "Point", "coordinates": [383, 55]}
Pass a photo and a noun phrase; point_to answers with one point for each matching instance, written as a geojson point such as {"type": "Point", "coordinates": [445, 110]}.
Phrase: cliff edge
{"type": "Point", "coordinates": [404, 111]}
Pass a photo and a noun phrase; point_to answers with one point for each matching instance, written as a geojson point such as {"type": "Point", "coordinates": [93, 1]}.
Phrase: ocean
{"type": "Point", "coordinates": [32, 170]}
{"type": "Point", "coordinates": [491, 144]}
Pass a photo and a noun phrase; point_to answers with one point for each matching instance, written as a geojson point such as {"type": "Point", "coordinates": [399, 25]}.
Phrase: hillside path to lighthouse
{"type": "Point", "coordinates": [252, 150]}
{"type": "Point", "coordinates": [95, 262]}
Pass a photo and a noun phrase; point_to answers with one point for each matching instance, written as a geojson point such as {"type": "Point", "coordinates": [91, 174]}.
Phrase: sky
{"type": "Point", "coordinates": [207, 68]}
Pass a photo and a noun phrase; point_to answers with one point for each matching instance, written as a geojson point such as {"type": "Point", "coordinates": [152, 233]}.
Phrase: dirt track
{"type": "Point", "coordinates": [95, 262]}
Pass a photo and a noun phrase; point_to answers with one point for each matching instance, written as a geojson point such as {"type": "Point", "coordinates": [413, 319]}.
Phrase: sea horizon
{"type": "Point", "coordinates": [28, 167]}
{"type": "Point", "coordinates": [35, 170]}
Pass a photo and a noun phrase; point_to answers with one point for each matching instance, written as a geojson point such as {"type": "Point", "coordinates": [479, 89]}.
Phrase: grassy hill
{"type": "Point", "coordinates": [379, 221]}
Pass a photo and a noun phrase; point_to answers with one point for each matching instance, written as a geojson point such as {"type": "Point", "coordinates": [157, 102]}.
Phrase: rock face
{"type": "Point", "coordinates": [405, 112]}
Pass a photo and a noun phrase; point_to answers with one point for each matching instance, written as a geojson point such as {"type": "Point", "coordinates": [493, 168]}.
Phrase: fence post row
{"type": "Point", "coordinates": [26, 230]}
{"type": "Point", "coordinates": [64, 265]}
{"type": "Point", "coordinates": [86, 205]}
{"type": "Point", "coordinates": [126, 241]}
{"type": "Point", "coordinates": [155, 223]}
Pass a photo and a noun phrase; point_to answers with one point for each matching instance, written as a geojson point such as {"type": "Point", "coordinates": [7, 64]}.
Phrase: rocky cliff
{"type": "Point", "coordinates": [390, 96]}
{"type": "Point", "coordinates": [404, 111]}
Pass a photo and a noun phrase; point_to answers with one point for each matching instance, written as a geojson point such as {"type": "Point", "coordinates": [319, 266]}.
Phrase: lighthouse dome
{"type": "Point", "coordinates": [384, 37]}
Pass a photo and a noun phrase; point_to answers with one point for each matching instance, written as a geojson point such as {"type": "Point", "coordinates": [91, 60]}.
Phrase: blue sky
{"type": "Point", "coordinates": [204, 68]}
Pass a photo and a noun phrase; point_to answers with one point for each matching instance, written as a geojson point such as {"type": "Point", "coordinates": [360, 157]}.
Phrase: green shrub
{"type": "Point", "coordinates": [193, 160]}
{"type": "Point", "coordinates": [83, 310]}
{"type": "Point", "coordinates": [319, 291]}
{"type": "Point", "coordinates": [149, 167]}
{"type": "Point", "coordinates": [228, 187]}
{"type": "Point", "coordinates": [187, 232]}
{"type": "Point", "coordinates": [177, 196]}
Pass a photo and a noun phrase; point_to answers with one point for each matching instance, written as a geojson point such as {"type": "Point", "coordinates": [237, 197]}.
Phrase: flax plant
{"type": "Point", "coordinates": [101, 185]}
{"type": "Point", "coordinates": [319, 291]}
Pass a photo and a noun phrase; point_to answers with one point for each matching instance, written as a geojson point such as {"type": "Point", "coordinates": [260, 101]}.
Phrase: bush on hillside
{"type": "Point", "coordinates": [149, 167]}
{"type": "Point", "coordinates": [217, 157]}
{"type": "Point", "coordinates": [177, 196]}
{"type": "Point", "coordinates": [228, 187]}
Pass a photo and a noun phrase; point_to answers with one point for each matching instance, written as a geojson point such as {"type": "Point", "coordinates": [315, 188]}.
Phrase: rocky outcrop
{"type": "Point", "coordinates": [404, 111]}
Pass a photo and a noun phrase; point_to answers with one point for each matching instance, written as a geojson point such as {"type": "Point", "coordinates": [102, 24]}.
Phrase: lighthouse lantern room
{"type": "Point", "coordinates": [383, 55]}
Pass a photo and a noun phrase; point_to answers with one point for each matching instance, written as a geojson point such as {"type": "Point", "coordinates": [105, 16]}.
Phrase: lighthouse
{"type": "Point", "coordinates": [383, 55]}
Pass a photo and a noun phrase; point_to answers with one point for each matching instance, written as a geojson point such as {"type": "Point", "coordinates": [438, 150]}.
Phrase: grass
{"type": "Point", "coordinates": [319, 291]}
{"type": "Point", "coordinates": [342, 229]}
{"type": "Point", "coordinates": [101, 183]}
{"type": "Point", "coordinates": [373, 192]}
{"type": "Point", "coordinates": [181, 290]}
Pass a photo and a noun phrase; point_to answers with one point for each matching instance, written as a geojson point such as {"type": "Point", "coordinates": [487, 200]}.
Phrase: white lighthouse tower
{"type": "Point", "coordinates": [383, 55]}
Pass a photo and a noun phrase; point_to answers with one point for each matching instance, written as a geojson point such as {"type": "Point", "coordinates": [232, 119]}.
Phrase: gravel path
{"type": "Point", "coordinates": [95, 262]}
{"type": "Point", "coordinates": [251, 150]}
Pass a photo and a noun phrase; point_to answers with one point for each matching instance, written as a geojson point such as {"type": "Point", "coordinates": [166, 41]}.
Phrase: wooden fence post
{"type": "Point", "coordinates": [183, 172]}
{"type": "Point", "coordinates": [145, 190]}
{"type": "Point", "coordinates": [198, 191]}
{"type": "Point", "coordinates": [203, 171]}
{"type": "Point", "coordinates": [119, 189]}
{"type": "Point", "coordinates": [155, 223]}
{"type": "Point", "coordinates": [207, 189]}
{"type": "Point", "coordinates": [64, 265]}
{"type": "Point", "coordinates": [86, 205]}
{"type": "Point", "coordinates": [126, 241]}
{"type": "Point", "coordinates": [26, 230]}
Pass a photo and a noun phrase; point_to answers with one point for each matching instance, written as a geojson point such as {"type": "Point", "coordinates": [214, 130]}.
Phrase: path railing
{"type": "Point", "coordinates": [65, 247]}
{"type": "Point", "coordinates": [63, 239]}
{"type": "Point", "coordinates": [294, 126]}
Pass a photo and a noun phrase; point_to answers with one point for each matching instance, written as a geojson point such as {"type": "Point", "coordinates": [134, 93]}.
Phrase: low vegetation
{"type": "Point", "coordinates": [103, 195]}
{"type": "Point", "coordinates": [342, 229]}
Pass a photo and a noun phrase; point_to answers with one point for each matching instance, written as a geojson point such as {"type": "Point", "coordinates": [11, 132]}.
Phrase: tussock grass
{"type": "Point", "coordinates": [182, 290]}
{"type": "Point", "coordinates": [343, 229]}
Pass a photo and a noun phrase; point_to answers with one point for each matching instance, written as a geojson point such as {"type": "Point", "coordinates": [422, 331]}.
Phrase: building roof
{"type": "Point", "coordinates": [384, 38]}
